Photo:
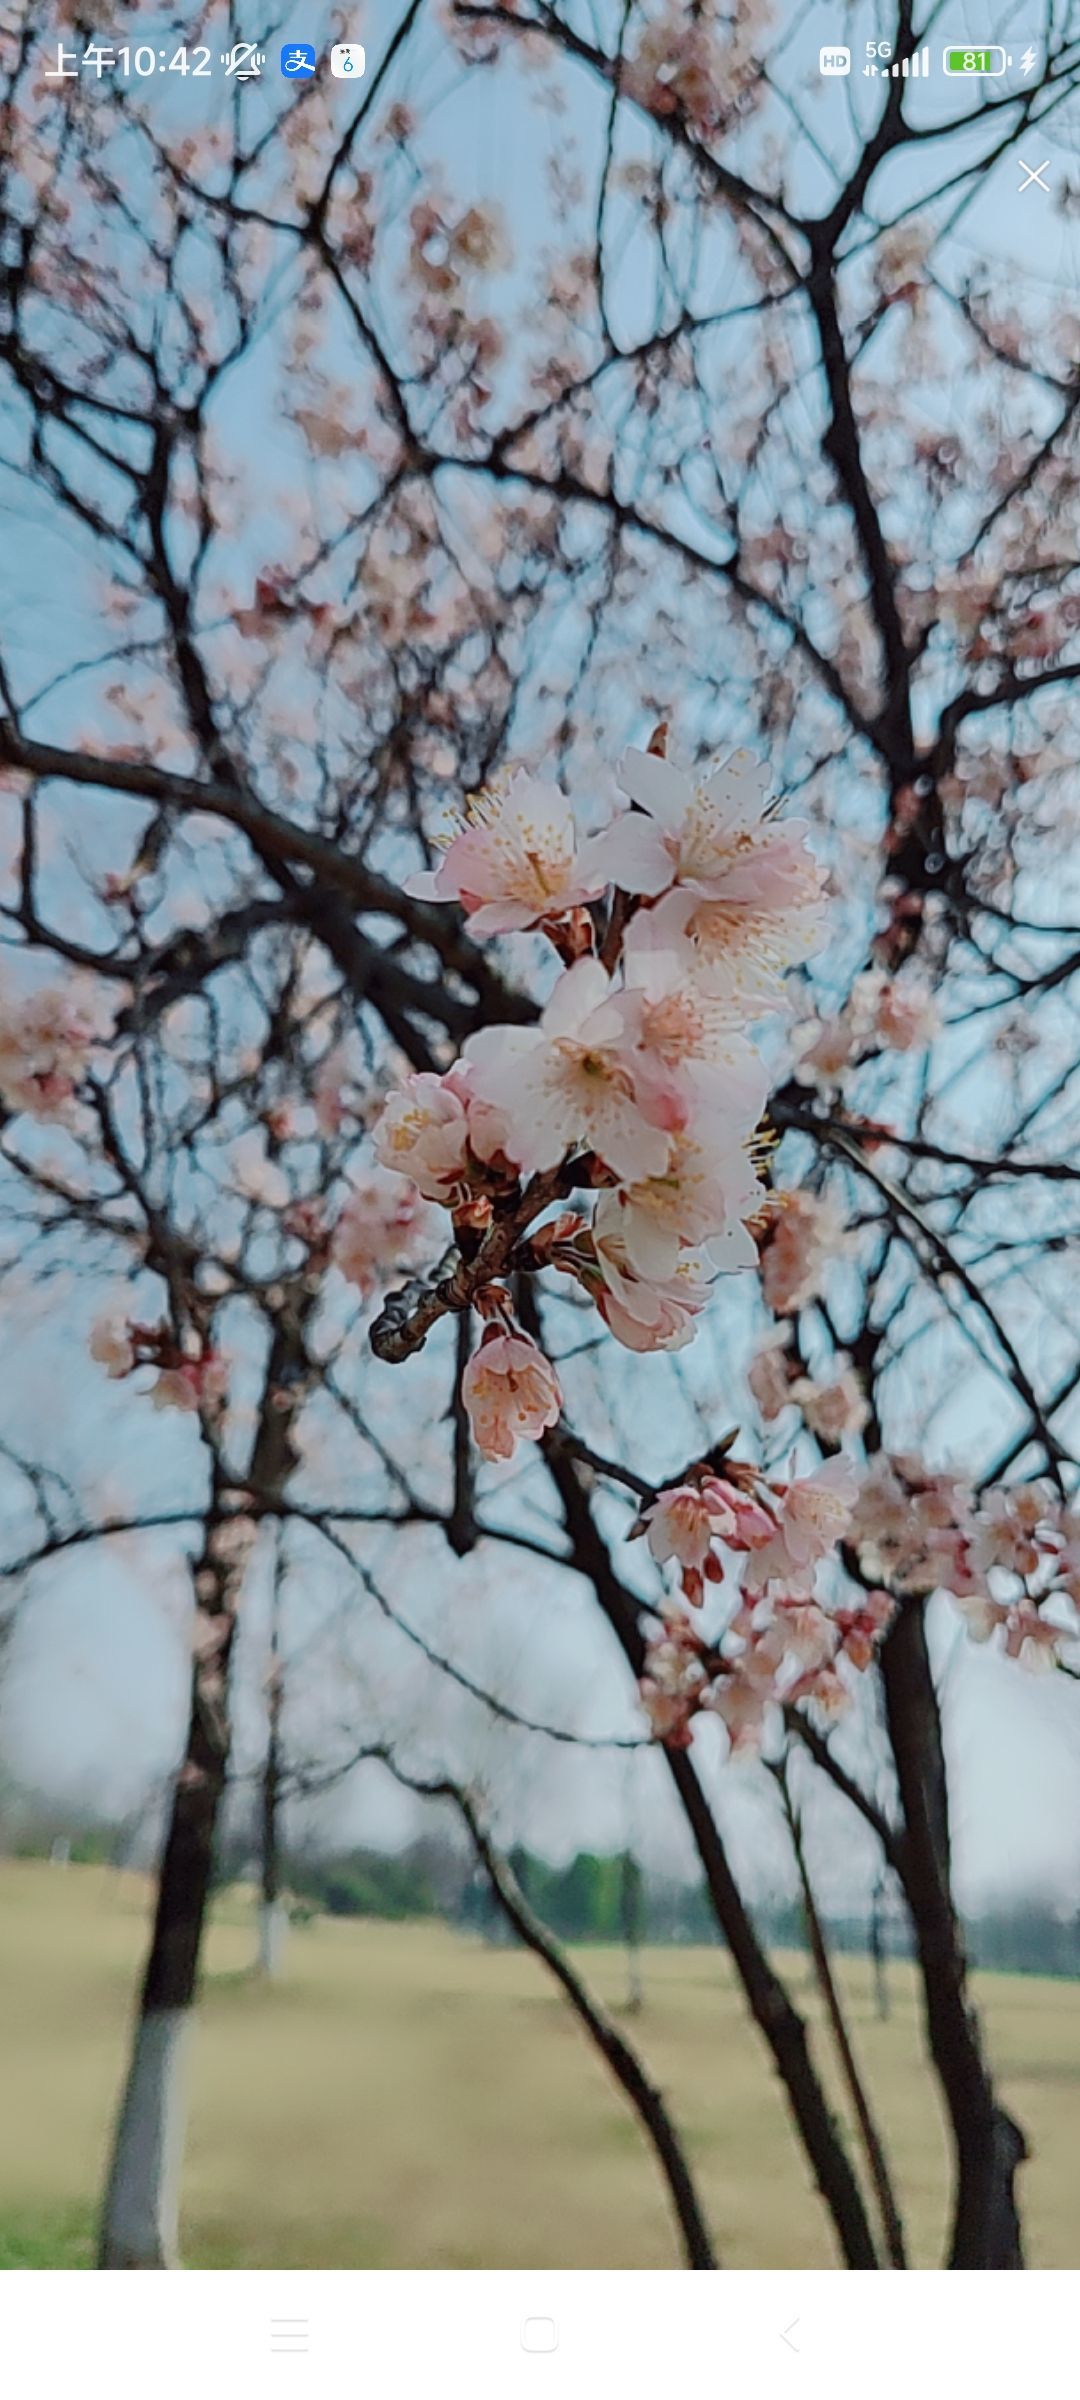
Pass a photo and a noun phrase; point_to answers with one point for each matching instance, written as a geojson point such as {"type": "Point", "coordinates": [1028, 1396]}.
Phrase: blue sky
{"type": "Point", "coordinates": [97, 1674]}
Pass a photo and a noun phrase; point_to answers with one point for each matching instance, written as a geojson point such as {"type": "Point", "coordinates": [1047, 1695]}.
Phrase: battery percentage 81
{"type": "Point", "coordinates": [990, 60]}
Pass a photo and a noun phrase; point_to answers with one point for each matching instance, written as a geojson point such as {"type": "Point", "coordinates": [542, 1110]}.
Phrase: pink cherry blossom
{"type": "Point", "coordinates": [681, 1523]}
{"type": "Point", "coordinates": [1006, 1533]}
{"type": "Point", "coordinates": [825, 1688]}
{"type": "Point", "coordinates": [383, 1224]}
{"type": "Point", "coordinates": [806, 1233]}
{"type": "Point", "coordinates": [699, 834]}
{"type": "Point", "coordinates": [713, 839]}
{"type": "Point", "coordinates": [769, 1376]}
{"type": "Point", "coordinates": [645, 1313]}
{"type": "Point", "coordinates": [112, 1347]}
{"type": "Point", "coordinates": [328, 1093]}
{"type": "Point", "coordinates": [511, 1393]}
{"type": "Point", "coordinates": [761, 1656]}
{"type": "Point", "coordinates": [567, 1083]}
{"type": "Point", "coordinates": [1032, 1638]}
{"type": "Point", "coordinates": [738, 953]}
{"type": "Point", "coordinates": [423, 1132]}
{"type": "Point", "coordinates": [515, 861]}
{"type": "Point", "coordinates": [1067, 1552]}
{"type": "Point", "coordinates": [741, 1704]}
{"type": "Point", "coordinates": [201, 1382]}
{"type": "Point", "coordinates": [674, 1022]}
{"type": "Point", "coordinates": [669, 1713]}
{"type": "Point", "coordinates": [815, 1513]}
{"type": "Point", "coordinates": [825, 1047]}
{"type": "Point", "coordinates": [306, 1222]}
{"type": "Point", "coordinates": [783, 1645]}
{"type": "Point", "coordinates": [907, 1014]}
{"type": "Point", "coordinates": [982, 1615]}
{"type": "Point", "coordinates": [882, 1012]}
{"type": "Point", "coordinates": [807, 1635]}
{"type": "Point", "coordinates": [676, 65]}
{"type": "Point", "coordinates": [748, 1525]}
{"type": "Point", "coordinates": [861, 1629]}
{"type": "Point", "coordinates": [45, 1040]}
{"type": "Point", "coordinates": [915, 1529]}
{"type": "Point", "coordinates": [674, 1682]}
{"type": "Point", "coordinates": [704, 1194]}
{"type": "Point", "coordinates": [832, 1409]}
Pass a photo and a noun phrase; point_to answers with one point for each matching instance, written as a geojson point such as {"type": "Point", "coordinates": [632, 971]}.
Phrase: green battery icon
{"type": "Point", "coordinates": [990, 60]}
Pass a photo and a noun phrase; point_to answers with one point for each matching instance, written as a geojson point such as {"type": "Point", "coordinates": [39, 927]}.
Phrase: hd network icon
{"type": "Point", "coordinates": [834, 60]}
{"type": "Point", "coordinates": [347, 61]}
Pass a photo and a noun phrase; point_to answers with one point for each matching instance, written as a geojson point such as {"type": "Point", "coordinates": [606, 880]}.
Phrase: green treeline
{"type": "Point", "coordinates": [592, 1898]}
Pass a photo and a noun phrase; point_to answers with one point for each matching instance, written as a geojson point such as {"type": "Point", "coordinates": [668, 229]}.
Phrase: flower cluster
{"type": "Point", "coordinates": [804, 1233]}
{"type": "Point", "coordinates": [382, 1225]}
{"type": "Point", "coordinates": [187, 1378]}
{"type": "Point", "coordinates": [700, 64]}
{"type": "Point", "coordinates": [639, 1085]}
{"type": "Point", "coordinates": [784, 1642]}
{"type": "Point", "coordinates": [831, 1407]}
{"type": "Point", "coordinates": [882, 1013]}
{"type": "Point", "coordinates": [44, 1043]}
{"type": "Point", "coordinates": [1009, 1558]}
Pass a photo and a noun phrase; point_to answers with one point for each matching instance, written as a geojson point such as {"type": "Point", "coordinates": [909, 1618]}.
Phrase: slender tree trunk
{"type": "Point", "coordinates": [781, 2026]}
{"type": "Point", "coordinates": [272, 1925]}
{"type": "Point", "coordinates": [631, 1899]}
{"type": "Point", "coordinates": [873, 2146]}
{"type": "Point", "coordinates": [140, 2214]}
{"type": "Point", "coordinates": [988, 2145]}
{"type": "Point", "coordinates": [877, 1950]}
{"type": "Point", "coordinates": [272, 1919]}
{"type": "Point", "coordinates": [776, 2018]}
{"type": "Point", "coordinates": [625, 2065]}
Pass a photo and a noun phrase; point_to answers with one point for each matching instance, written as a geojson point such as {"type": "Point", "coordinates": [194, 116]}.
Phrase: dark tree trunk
{"type": "Point", "coordinates": [140, 2216]}
{"type": "Point", "coordinates": [873, 2145]}
{"type": "Point", "coordinates": [271, 1913]}
{"type": "Point", "coordinates": [777, 2020]}
{"type": "Point", "coordinates": [988, 2145]}
{"type": "Point", "coordinates": [878, 1953]}
{"type": "Point", "coordinates": [632, 1909]}
{"type": "Point", "coordinates": [623, 2061]}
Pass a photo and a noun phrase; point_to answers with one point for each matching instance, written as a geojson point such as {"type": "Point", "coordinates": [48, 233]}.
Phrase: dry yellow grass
{"type": "Point", "coordinates": [408, 2097]}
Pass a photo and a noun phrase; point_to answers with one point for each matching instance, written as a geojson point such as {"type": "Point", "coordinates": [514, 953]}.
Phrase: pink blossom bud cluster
{"type": "Point", "coordinates": [1009, 1557]}
{"type": "Point", "coordinates": [882, 1012]}
{"type": "Point", "coordinates": [187, 1378]}
{"type": "Point", "coordinates": [831, 1406]}
{"type": "Point", "coordinates": [805, 1233]}
{"type": "Point", "coordinates": [45, 1040]}
{"type": "Point", "coordinates": [382, 1226]}
{"type": "Point", "coordinates": [640, 1084]}
{"type": "Point", "coordinates": [699, 64]}
{"type": "Point", "coordinates": [784, 1642]}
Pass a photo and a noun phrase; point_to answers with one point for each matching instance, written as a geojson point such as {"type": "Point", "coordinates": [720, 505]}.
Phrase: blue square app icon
{"type": "Point", "coordinates": [297, 60]}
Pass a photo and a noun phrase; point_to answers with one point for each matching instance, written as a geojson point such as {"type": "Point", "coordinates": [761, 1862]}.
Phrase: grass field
{"type": "Point", "coordinates": [408, 2097]}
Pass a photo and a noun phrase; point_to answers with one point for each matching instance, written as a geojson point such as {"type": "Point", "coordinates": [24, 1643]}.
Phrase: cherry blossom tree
{"type": "Point", "coordinates": [546, 835]}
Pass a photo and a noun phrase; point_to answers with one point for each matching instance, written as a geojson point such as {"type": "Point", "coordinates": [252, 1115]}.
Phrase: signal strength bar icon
{"type": "Point", "coordinates": [918, 65]}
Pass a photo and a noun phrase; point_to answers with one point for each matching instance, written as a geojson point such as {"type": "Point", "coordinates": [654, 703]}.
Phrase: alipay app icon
{"type": "Point", "coordinates": [298, 59]}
